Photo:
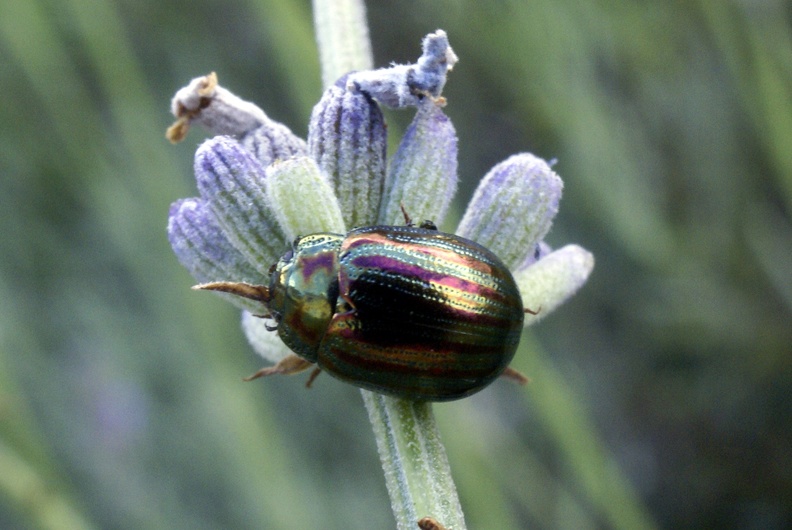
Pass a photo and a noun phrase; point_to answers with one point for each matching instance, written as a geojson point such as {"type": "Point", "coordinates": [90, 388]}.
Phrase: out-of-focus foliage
{"type": "Point", "coordinates": [659, 394]}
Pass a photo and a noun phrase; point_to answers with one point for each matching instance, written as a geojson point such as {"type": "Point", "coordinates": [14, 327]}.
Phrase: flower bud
{"type": "Point", "coordinates": [203, 249]}
{"type": "Point", "coordinates": [404, 85]}
{"type": "Point", "coordinates": [231, 181]}
{"type": "Point", "coordinates": [273, 141]}
{"type": "Point", "coordinates": [205, 101]}
{"type": "Point", "coordinates": [347, 138]}
{"type": "Point", "coordinates": [513, 208]}
{"type": "Point", "coordinates": [423, 173]}
{"type": "Point", "coordinates": [302, 199]}
{"type": "Point", "coordinates": [549, 282]}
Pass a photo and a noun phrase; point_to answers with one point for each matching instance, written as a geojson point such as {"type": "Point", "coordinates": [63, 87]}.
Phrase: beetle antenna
{"type": "Point", "coordinates": [258, 293]}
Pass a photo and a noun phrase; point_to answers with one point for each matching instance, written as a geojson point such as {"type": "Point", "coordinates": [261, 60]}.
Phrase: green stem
{"type": "Point", "coordinates": [413, 458]}
{"type": "Point", "coordinates": [343, 38]}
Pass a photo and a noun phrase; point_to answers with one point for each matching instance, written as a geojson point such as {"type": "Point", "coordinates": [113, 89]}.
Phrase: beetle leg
{"type": "Point", "coordinates": [430, 523]}
{"type": "Point", "coordinates": [531, 311]}
{"type": "Point", "coordinates": [514, 375]}
{"type": "Point", "coordinates": [291, 364]}
{"type": "Point", "coordinates": [347, 307]}
{"type": "Point", "coordinates": [313, 376]}
{"type": "Point", "coordinates": [429, 225]}
{"type": "Point", "coordinates": [407, 220]}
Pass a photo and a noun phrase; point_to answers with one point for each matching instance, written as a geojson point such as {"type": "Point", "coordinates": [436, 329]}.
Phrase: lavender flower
{"type": "Point", "coordinates": [347, 138]}
{"type": "Point", "coordinates": [260, 186]}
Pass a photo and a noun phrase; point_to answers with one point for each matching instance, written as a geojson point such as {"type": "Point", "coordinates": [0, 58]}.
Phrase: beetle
{"type": "Point", "coordinates": [407, 311]}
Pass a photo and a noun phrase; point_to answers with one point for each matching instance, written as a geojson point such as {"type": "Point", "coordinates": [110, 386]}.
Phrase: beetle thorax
{"type": "Point", "coordinates": [303, 292]}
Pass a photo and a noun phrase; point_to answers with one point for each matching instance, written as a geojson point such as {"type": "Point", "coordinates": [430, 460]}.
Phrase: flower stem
{"type": "Point", "coordinates": [343, 38]}
{"type": "Point", "coordinates": [416, 468]}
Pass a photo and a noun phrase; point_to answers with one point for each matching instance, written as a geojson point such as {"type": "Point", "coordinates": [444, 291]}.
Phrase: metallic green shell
{"type": "Point", "coordinates": [303, 290]}
{"type": "Point", "coordinates": [417, 313]}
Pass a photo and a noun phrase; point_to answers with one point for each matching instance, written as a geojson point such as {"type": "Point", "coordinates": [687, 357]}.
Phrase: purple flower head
{"type": "Point", "coordinates": [260, 185]}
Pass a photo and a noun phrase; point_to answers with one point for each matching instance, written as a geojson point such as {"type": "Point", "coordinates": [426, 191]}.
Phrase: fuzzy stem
{"type": "Point", "coordinates": [343, 38]}
{"type": "Point", "coordinates": [416, 468]}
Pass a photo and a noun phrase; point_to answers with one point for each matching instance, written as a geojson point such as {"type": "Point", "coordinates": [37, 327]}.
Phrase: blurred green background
{"type": "Point", "coordinates": [660, 394]}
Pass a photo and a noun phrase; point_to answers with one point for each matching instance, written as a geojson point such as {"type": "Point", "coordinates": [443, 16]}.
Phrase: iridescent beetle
{"type": "Point", "coordinates": [401, 310]}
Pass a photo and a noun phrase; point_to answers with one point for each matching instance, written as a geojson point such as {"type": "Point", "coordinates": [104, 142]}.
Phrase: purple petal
{"type": "Point", "coordinates": [513, 208]}
{"type": "Point", "coordinates": [347, 138]}
{"type": "Point", "coordinates": [200, 245]}
{"type": "Point", "coordinates": [423, 173]}
{"type": "Point", "coordinates": [230, 180]}
{"type": "Point", "coordinates": [273, 141]}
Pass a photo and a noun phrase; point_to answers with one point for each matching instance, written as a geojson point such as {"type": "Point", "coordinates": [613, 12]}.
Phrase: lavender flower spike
{"type": "Point", "coordinates": [513, 208]}
{"type": "Point", "coordinates": [405, 85]}
{"type": "Point", "coordinates": [263, 186]}
{"type": "Point", "coordinates": [347, 138]}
